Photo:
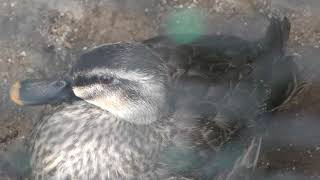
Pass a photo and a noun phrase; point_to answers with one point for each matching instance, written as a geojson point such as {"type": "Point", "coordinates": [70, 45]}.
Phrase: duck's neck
{"type": "Point", "coordinates": [89, 110]}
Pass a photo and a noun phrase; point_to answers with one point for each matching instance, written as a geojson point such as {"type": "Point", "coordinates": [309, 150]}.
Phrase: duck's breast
{"type": "Point", "coordinates": [82, 141]}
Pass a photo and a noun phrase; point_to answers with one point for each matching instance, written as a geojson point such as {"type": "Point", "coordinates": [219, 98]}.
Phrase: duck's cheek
{"type": "Point", "coordinates": [84, 92]}
{"type": "Point", "coordinates": [112, 103]}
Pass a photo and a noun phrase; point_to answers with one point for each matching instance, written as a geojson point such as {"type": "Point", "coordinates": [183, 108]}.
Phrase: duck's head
{"type": "Point", "coordinates": [126, 79]}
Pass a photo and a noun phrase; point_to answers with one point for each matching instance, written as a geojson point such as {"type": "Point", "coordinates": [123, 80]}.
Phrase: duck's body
{"type": "Point", "coordinates": [141, 118]}
{"type": "Point", "coordinates": [82, 141]}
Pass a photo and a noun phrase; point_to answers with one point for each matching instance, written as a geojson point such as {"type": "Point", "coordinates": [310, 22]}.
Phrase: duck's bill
{"type": "Point", "coordinates": [39, 92]}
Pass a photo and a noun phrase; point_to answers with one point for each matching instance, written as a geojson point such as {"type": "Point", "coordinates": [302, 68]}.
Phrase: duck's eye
{"type": "Point", "coordinates": [106, 79]}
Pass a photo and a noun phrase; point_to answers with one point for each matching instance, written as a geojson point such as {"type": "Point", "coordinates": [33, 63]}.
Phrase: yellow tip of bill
{"type": "Point", "coordinates": [15, 93]}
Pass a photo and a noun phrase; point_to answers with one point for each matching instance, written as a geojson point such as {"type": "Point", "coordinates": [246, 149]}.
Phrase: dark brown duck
{"type": "Point", "coordinates": [157, 109]}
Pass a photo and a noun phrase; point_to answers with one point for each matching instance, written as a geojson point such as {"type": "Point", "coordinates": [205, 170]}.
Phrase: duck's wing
{"type": "Point", "coordinates": [211, 51]}
{"type": "Point", "coordinates": [225, 61]}
{"type": "Point", "coordinates": [230, 71]}
{"type": "Point", "coordinates": [223, 83]}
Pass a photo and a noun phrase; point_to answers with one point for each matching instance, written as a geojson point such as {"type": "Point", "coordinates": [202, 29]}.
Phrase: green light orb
{"type": "Point", "coordinates": [185, 25]}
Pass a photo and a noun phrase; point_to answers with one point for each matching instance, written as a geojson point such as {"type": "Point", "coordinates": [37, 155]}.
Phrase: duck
{"type": "Point", "coordinates": [158, 108]}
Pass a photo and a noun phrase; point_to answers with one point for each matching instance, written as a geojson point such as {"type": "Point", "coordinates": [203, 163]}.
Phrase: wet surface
{"type": "Point", "coordinates": [40, 38]}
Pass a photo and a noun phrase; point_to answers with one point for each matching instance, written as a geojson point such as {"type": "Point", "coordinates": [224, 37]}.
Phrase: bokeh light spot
{"type": "Point", "coordinates": [185, 25]}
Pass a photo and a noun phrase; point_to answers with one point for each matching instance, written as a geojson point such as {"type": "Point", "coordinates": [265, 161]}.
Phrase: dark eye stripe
{"type": "Point", "coordinates": [106, 80]}
{"type": "Point", "coordinates": [85, 81]}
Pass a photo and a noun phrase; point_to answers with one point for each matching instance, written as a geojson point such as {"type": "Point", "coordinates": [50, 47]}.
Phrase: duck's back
{"type": "Point", "coordinates": [222, 85]}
